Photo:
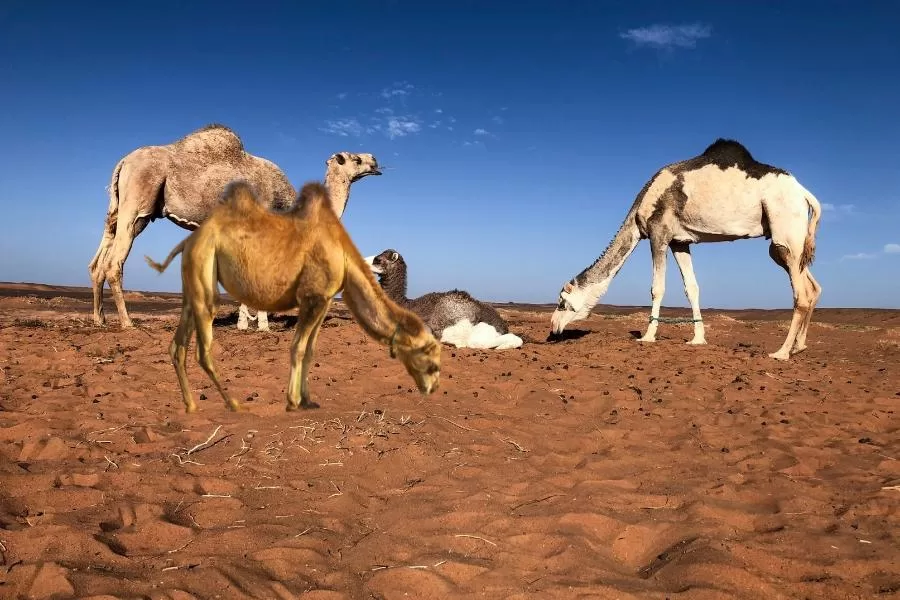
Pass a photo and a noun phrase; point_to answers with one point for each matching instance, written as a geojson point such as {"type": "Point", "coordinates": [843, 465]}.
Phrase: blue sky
{"type": "Point", "coordinates": [517, 135]}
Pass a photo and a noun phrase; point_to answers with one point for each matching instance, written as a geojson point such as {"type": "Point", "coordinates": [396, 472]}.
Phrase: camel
{"type": "Point", "coordinates": [182, 181]}
{"type": "Point", "coordinates": [454, 317]}
{"type": "Point", "coordinates": [723, 194]}
{"type": "Point", "coordinates": [297, 259]}
{"type": "Point", "coordinates": [342, 169]}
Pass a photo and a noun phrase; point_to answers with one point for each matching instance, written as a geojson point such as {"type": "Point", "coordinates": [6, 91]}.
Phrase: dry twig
{"type": "Point", "coordinates": [205, 444]}
{"type": "Point", "coordinates": [466, 535]}
{"type": "Point", "coordinates": [453, 423]}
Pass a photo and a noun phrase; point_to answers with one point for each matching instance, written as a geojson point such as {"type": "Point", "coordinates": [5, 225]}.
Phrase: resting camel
{"type": "Point", "coordinates": [298, 259]}
{"type": "Point", "coordinates": [454, 317]}
{"type": "Point", "coordinates": [182, 181]}
{"type": "Point", "coordinates": [721, 195]}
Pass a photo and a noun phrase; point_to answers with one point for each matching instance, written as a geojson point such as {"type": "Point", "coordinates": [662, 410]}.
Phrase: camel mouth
{"type": "Point", "coordinates": [370, 260]}
{"type": "Point", "coordinates": [365, 174]}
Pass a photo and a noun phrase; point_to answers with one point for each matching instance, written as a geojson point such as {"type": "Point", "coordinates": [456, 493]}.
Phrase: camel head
{"type": "Point", "coordinates": [351, 166]}
{"type": "Point", "coordinates": [419, 352]}
{"type": "Point", "coordinates": [574, 304]}
{"type": "Point", "coordinates": [387, 263]}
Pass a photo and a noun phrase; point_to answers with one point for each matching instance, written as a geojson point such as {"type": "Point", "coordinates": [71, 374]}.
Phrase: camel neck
{"type": "Point", "coordinates": [338, 191]}
{"type": "Point", "coordinates": [394, 284]}
{"type": "Point", "coordinates": [601, 272]}
{"type": "Point", "coordinates": [367, 301]}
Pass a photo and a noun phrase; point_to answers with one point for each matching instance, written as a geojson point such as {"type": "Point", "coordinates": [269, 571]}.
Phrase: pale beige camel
{"type": "Point", "coordinates": [342, 170]}
{"type": "Point", "coordinates": [182, 182]}
{"type": "Point", "coordinates": [721, 195]}
{"type": "Point", "coordinates": [299, 259]}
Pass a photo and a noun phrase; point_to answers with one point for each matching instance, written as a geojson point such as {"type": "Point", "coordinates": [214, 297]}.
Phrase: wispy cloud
{"type": "Point", "coordinates": [859, 256]}
{"type": "Point", "coordinates": [841, 208]}
{"type": "Point", "coordinates": [835, 212]}
{"type": "Point", "coordinates": [344, 127]}
{"type": "Point", "coordinates": [888, 249]}
{"type": "Point", "coordinates": [398, 89]}
{"type": "Point", "coordinates": [402, 126]}
{"type": "Point", "coordinates": [668, 37]}
{"type": "Point", "coordinates": [397, 111]}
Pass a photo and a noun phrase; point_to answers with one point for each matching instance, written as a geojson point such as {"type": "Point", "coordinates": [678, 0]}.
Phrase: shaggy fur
{"type": "Point", "coordinates": [724, 194]}
{"type": "Point", "coordinates": [299, 259]}
{"type": "Point", "coordinates": [442, 311]}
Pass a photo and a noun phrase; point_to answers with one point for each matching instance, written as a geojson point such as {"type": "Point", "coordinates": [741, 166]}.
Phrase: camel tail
{"type": "Point", "coordinates": [112, 212]}
{"type": "Point", "coordinates": [809, 244]}
{"type": "Point", "coordinates": [175, 252]}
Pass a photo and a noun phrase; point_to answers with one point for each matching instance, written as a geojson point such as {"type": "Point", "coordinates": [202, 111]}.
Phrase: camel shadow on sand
{"type": "Point", "coordinates": [279, 322]}
{"type": "Point", "coordinates": [567, 334]}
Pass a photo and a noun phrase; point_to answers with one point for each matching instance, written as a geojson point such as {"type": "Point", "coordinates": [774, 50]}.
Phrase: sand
{"type": "Point", "coordinates": [594, 467]}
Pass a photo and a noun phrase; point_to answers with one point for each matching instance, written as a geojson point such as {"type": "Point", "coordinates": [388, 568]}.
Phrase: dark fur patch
{"type": "Point", "coordinates": [725, 153]}
{"type": "Point", "coordinates": [672, 200]}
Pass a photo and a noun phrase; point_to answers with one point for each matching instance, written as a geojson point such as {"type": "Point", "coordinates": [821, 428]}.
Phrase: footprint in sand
{"type": "Point", "coordinates": [142, 530]}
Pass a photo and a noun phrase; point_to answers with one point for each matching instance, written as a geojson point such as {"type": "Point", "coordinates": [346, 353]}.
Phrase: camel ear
{"type": "Point", "coordinates": [394, 256]}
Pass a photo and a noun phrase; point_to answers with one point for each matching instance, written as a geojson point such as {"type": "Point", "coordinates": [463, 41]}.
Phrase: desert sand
{"type": "Point", "coordinates": [593, 467]}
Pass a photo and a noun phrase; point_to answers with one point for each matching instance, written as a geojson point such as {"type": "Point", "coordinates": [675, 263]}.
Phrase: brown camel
{"type": "Point", "coordinates": [342, 170]}
{"type": "Point", "coordinates": [182, 182]}
{"type": "Point", "coordinates": [298, 259]}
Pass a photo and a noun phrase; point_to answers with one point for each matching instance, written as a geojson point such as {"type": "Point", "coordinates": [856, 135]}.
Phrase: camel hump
{"type": "Point", "coordinates": [240, 196]}
{"type": "Point", "coordinates": [313, 197]}
{"type": "Point", "coordinates": [214, 140]}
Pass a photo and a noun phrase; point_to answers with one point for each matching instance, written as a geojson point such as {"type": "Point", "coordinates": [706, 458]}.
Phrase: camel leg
{"type": "Point", "coordinates": [97, 271]}
{"type": "Point", "coordinates": [657, 289]}
{"type": "Point", "coordinates": [815, 292]}
{"type": "Point", "coordinates": [204, 310]}
{"type": "Point", "coordinates": [801, 297]}
{"type": "Point", "coordinates": [178, 353]}
{"type": "Point", "coordinates": [309, 321]}
{"type": "Point", "coordinates": [244, 317]}
{"type": "Point", "coordinates": [262, 320]}
{"type": "Point", "coordinates": [682, 254]}
{"type": "Point", "coordinates": [129, 226]}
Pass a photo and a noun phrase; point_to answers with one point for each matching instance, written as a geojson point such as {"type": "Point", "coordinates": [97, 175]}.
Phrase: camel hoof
{"type": "Point", "coordinates": [190, 408]}
{"type": "Point", "coordinates": [696, 343]}
{"type": "Point", "coordinates": [646, 340]}
{"type": "Point", "coordinates": [236, 407]}
{"type": "Point", "coordinates": [779, 356]}
{"type": "Point", "coordinates": [302, 406]}
{"type": "Point", "coordinates": [798, 349]}
{"type": "Point", "coordinates": [243, 325]}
